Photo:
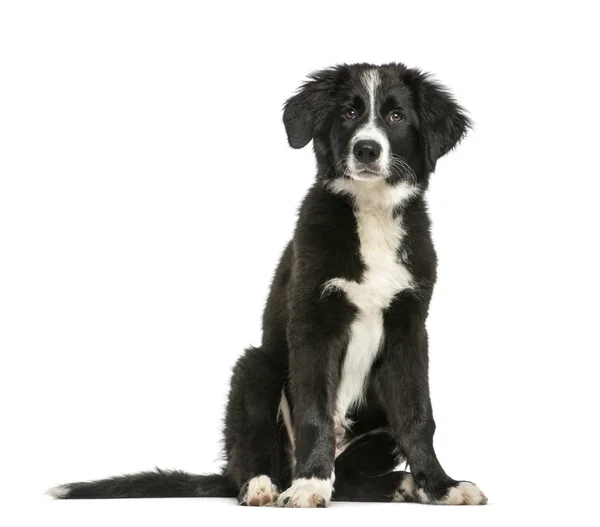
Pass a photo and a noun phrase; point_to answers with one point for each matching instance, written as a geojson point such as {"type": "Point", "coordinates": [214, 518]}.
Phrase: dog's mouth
{"type": "Point", "coordinates": [367, 172]}
{"type": "Point", "coordinates": [370, 169]}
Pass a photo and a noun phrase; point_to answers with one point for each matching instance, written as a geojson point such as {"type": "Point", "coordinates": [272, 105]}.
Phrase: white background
{"type": "Point", "coordinates": [147, 190]}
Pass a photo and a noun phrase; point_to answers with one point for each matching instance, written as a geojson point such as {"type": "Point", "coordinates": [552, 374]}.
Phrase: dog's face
{"type": "Point", "coordinates": [373, 130]}
{"type": "Point", "coordinates": [372, 123]}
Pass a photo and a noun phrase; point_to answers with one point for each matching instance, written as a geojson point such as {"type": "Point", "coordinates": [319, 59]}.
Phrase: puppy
{"type": "Point", "coordinates": [337, 395]}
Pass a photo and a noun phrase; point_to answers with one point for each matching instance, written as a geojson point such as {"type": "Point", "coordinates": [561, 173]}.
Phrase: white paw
{"type": "Point", "coordinates": [407, 490]}
{"type": "Point", "coordinates": [261, 492]}
{"type": "Point", "coordinates": [307, 493]}
{"type": "Point", "coordinates": [465, 493]}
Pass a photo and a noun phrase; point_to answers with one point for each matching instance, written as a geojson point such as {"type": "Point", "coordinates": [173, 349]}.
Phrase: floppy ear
{"type": "Point", "coordinates": [304, 113]}
{"type": "Point", "coordinates": [443, 123]}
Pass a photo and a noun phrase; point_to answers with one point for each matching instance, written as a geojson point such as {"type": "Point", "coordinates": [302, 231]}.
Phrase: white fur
{"type": "Point", "coordinates": [465, 493]}
{"type": "Point", "coordinates": [407, 489]}
{"type": "Point", "coordinates": [370, 130]}
{"type": "Point", "coordinates": [374, 193]}
{"type": "Point", "coordinates": [286, 415]}
{"type": "Point", "coordinates": [340, 432]}
{"type": "Point", "coordinates": [307, 493]}
{"type": "Point", "coordinates": [261, 492]}
{"type": "Point", "coordinates": [58, 492]}
{"type": "Point", "coordinates": [380, 235]}
{"type": "Point", "coordinates": [408, 485]}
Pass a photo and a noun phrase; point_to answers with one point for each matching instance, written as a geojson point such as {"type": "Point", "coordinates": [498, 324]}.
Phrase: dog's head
{"type": "Point", "coordinates": [368, 122]}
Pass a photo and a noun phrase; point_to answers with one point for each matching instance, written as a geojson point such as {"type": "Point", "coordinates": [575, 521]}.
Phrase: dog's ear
{"type": "Point", "coordinates": [304, 113]}
{"type": "Point", "coordinates": [443, 123]}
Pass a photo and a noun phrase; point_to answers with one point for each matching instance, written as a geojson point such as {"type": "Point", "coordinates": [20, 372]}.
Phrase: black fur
{"type": "Point", "coordinates": [157, 484]}
{"type": "Point", "coordinates": [305, 333]}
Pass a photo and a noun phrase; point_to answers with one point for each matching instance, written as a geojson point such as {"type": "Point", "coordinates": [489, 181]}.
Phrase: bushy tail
{"type": "Point", "coordinates": [157, 484]}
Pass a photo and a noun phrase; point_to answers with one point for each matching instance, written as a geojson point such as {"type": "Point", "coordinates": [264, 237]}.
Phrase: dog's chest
{"type": "Point", "coordinates": [380, 237]}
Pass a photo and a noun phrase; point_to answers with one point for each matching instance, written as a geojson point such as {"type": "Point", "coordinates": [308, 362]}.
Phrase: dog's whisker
{"type": "Point", "coordinates": [402, 167]}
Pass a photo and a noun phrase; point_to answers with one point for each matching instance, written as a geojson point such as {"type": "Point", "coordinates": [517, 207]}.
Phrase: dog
{"type": "Point", "coordinates": [337, 396]}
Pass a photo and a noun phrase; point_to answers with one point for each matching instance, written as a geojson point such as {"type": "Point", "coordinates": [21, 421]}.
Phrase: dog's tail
{"type": "Point", "coordinates": [157, 484]}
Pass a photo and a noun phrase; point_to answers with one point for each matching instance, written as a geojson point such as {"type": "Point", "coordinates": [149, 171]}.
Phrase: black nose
{"type": "Point", "coordinates": [367, 151]}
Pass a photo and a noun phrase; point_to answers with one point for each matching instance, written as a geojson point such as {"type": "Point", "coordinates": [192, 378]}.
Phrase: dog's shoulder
{"type": "Point", "coordinates": [324, 218]}
{"type": "Point", "coordinates": [418, 251]}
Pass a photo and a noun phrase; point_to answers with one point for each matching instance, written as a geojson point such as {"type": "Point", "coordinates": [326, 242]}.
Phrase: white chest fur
{"type": "Point", "coordinates": [380, 235]}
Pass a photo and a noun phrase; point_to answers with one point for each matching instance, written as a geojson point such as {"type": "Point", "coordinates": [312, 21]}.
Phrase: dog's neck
{"type": "Point", "coordinates": [376, 195]}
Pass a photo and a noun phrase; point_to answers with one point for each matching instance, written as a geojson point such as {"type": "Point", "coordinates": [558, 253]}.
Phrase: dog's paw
{"type": "Point", "coordinates": [407, 490]}
{"type": "Point", "coordinates": [307, 493]}
{"type": "Point", "coordinates": [463, 493]}
{"type": "Point", "coordinates": [260, 491]}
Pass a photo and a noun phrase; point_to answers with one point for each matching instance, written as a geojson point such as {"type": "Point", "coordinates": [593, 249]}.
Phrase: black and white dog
{"type": "Point", "coordinates": [338, 391]}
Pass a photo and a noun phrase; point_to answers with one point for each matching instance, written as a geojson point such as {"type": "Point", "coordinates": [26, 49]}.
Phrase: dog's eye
{"type": "Point", "coordinates": [350, 113]}
{"type": "Point", "coordinates": [395, 116]}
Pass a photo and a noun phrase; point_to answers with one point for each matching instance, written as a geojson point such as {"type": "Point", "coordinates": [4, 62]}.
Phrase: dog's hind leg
{"type": "Point", "coordinates": [394, 486]}
{"type": "Point", "coordinates": [372, 453]}
{"type": "Point", "coordinates": [256, 442]}
{"type": "Point", "coordinates": [365, 470]}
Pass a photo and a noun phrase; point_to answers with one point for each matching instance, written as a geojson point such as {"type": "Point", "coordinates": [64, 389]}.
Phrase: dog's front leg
{"type": "Point", "coordinates": [311, 388]}
{"type": "Point", "coordinates": [401, 381]}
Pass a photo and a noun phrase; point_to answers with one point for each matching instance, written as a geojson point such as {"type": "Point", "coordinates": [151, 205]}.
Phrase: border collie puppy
{"type": "Point", "coordinates": [337, 395]}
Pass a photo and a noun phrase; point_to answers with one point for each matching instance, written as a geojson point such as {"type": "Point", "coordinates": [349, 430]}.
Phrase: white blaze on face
{"type": "Point", "coordinates": [370, 130]}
